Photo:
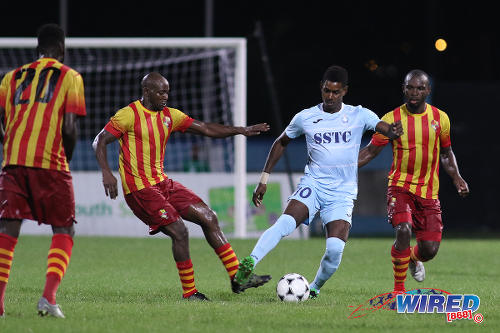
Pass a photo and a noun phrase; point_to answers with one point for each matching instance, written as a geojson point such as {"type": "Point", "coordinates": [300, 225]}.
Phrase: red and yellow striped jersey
{"type": "Point", "coordinates": [143, 135]}
{"type": "Point", "coordinates": [36, 97]}
{"type": "Point", "coordinates": [415, 163]}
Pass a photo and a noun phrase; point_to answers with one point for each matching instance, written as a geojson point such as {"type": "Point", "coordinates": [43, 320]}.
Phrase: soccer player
{"type": "Point", "coordinates": [333, 132]}
{"type": "Point", "coordinates": [412, 193]}
{"type": "Point", "coordinates": [39, 103]}
{"type": "Point", "coordinates": [143, 128]}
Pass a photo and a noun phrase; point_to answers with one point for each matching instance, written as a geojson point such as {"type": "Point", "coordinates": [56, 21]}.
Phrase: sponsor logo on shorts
{"type": "Point", "coordinates": [163, 214]}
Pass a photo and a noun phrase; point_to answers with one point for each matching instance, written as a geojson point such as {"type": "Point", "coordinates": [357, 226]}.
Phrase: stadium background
{"type": "Point", "coordinates": [377, 43]}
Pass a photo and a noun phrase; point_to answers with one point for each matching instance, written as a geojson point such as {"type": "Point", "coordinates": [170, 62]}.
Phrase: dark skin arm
{"type": "Point", "coordinates": [221, 131]}
{"type": "Point", "coordinates": [368, 153]}
{"type": "Point", "coordinates": [197, 127]}
{"type": "Point", "coordinates": [449, 163]}
{"type": "Point", "coordinates": [392, 131]}
{"type": "Point", "coordinates": [277, 150]}
{"type": "Point", "coordinates": [108, 179]}
{"type": "Point", "coordinates": [69, 134]}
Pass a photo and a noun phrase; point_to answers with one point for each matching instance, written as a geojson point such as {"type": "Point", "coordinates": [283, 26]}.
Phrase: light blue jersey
{"type": "Point", "coordinates": [333, 141]}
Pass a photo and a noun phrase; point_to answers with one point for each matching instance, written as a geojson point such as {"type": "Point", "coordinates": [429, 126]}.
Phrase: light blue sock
{"type": "Point", "coordinates": [284, 226]}
{"type": "Point", "coordinates": [330, 261]}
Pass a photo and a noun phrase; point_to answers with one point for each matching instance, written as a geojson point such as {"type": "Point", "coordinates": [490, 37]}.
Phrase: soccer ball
{"type": "Point", "coordinates": [293, 287]}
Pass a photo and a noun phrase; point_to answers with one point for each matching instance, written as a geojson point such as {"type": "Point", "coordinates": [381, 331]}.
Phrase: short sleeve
{"type": "Point", "coordinates": [121, 122]}
{"type": "Point", "coordinates": [444, 135]}
{"type": "Point", "coordinates": [379, 139]}
{"type": "Point", "coordinates": [295, 128]}
{"type": "Point", "coordinates": [370, 119]}
{"type": "Point", "coordinates": [180, 120]}
{"type": "Point", "coordinates": [75, 98]}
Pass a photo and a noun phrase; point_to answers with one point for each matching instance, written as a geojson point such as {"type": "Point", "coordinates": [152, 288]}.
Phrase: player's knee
{"type": "Point", "coordinates": [286, 224]}
{"type": "Point", "coordinates": [211, 218]}
{"type": "Point", "coordinates": [428, 252]}
{"type": "Point", "coordinates": [210, 222]}
{"type": "Point", "coordinates": [403, 230]}
{"type": "Point", "coordinates": [178, 231]}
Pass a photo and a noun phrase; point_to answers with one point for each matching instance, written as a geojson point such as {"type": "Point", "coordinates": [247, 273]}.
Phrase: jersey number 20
{"type": "Point", "coordinates": [42, 78]}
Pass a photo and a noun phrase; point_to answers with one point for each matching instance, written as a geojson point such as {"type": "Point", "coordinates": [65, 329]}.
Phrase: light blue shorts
{"type": "Point", "coordinates": [330, 204]}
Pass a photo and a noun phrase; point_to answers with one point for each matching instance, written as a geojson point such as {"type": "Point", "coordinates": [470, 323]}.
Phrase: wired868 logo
{"type": "Point", "coordinates": [455, 306]}
{"type": "Point", "coordinates": [425, 300]}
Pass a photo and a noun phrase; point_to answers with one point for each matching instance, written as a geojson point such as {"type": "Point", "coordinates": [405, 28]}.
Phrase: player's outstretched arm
{"type": "Point", "coordinates": [449, 162]}
{"type": "Point", "coordinates": [108, 179]}
{"type": "Point", "coordinates": [277, 150]}
{"type": "Point", "coordinates": [221, 131]}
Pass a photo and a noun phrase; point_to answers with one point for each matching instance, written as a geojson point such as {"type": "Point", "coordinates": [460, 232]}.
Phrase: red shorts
{"type": "Point", "coordinates": [161, 204]}
{"type": "Point", "coordinates": [423, 214]}
{"type": "Point", "coordinates": [42, 195]}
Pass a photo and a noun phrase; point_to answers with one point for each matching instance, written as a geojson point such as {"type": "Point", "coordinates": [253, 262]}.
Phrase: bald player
{"type": "Point", "coordinates": [412, 194]}
{"type": "Point", "coordinates": [143, 128]}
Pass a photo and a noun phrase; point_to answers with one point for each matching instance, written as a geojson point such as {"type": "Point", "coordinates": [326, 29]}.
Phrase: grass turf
{"type": "Point", "coordinates": [131, 285]}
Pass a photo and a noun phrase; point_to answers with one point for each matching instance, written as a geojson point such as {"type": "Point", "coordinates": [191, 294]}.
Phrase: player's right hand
{"type": "Point", "coordinates": [255, 129]}
{"type": "Point", "coordinates": [462, 187]}
{"type": "Point", "coordinates": [110, 184]}
{"type": "Point", "coordinates": [258, 194]}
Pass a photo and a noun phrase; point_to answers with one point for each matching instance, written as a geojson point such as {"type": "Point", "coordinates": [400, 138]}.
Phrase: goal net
{"type": "Point", "coordinates": [207, 79]}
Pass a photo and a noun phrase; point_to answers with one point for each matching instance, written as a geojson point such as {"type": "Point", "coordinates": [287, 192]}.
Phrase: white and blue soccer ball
{"type": "Point", "coordinates": [292, 287]}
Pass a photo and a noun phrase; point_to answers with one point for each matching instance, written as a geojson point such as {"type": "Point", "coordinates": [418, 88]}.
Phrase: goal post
{"type": "Point", "coordinates": [208, 82]}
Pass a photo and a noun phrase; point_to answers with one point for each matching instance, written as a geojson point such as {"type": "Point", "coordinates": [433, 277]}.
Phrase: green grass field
{"type": "Point", "coordinates": [131, 285]}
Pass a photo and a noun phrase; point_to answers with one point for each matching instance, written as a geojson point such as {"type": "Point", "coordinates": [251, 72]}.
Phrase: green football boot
{"type": "Point", "coordinates": [313, 293]}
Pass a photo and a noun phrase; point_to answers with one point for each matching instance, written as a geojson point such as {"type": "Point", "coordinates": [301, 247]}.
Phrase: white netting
{"type": "Point", "coordinates": [202, 83]}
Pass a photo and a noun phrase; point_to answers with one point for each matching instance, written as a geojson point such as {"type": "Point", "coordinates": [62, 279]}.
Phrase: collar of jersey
{"type": "Point", "coordinates": [427, 108]}
{"type": "Point", "coordinates": [320, 107]}
{"type": "Point", "coordinates": [148, 110]}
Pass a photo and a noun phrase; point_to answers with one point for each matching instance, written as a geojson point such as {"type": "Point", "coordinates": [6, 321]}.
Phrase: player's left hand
{"type": "Point", "coordinates": [462, 187]}
{"type": "Point", "coordinates": [255, 129]}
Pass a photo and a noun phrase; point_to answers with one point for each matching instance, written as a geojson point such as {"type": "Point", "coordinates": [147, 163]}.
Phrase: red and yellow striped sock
{"type": "Point", "coordinates": [57, 263]}
{"type": "Point", "coordinates": [7, 245]}
{"type": "Point", "coordinates": [400, 260]}
{"type": "Point", "coordinates": [229, 259]}
{"type": "Point", "coordinates": [186, 274]}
